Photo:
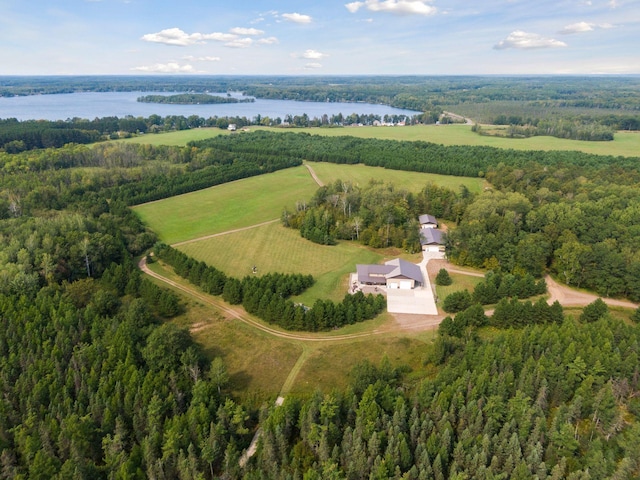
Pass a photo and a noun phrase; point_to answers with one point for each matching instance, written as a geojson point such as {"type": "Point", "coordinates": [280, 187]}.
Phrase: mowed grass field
{"type": "Point", "coordinates": [224, 207]}
{"type": "Point", "coordinates": [412, 181]}
{"type": "Point", "coordinates": [274, 248]}
{"type": "Point", "coordinates": [259, 199]}
{"type": "Point", "coordinates": [626, 144]}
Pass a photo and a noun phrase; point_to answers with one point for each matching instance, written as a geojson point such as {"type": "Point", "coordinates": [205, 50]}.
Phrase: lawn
{"type": "Point", "coordinates": [179, 138]}
{"type": "Point", "coordinates": [274, 248]}
{"type": "Point", "coordinates": [328, 366]}
{"type": "Point", "coordinates": [229, 206]}
{"type": "Point", "coordinates": [625, 143]}
{"type": "Point", "coordinates": [460, 282]}
{"type": "Point", "coordinates": [412, 181]}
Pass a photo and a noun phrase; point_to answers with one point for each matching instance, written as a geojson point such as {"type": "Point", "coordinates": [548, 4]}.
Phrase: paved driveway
{"type": "Point", "coordinates": [418, 301]}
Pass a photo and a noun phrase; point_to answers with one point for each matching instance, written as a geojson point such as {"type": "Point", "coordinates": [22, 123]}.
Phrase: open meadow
{"type": "Point", "coordinates": [274, 248]}
{"type": "Point", "coordinates": [259, 199]}
{"type": "Point", "coordinates": [229, 206]}
{"type": "Point", "coordinates": [626, 144]}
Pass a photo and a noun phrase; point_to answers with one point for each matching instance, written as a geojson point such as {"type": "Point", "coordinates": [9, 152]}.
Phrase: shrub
{"type": "Point", "coordinates": [457, 301]}
{"type": "Point", "coordinates": [443, 278]}
{"type": "Point", "coordinates": [594, 311]}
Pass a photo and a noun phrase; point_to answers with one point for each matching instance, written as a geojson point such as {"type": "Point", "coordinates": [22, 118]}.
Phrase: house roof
{"type": "Point", "coordinates": [427, 219]}
{"type": "Point", "coordinates": [402, 268]}
{"type": "Point", "coordinates": [431, 236]}
{"type": "Point", "coordinates": [397, 268]}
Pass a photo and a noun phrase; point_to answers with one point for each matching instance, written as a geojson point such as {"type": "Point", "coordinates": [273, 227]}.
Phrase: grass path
{"type": "Point", "coordinates": [236, 230]}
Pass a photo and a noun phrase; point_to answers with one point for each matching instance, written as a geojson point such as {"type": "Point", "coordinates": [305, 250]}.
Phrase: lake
{"type": "Point", "coordinates": [92, 105]}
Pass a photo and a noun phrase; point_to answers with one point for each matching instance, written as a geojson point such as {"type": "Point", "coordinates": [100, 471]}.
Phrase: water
{"type": "Point", "coordinates": [92, 105]}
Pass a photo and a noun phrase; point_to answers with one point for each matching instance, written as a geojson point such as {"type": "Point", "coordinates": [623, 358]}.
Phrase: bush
{"type": "Point", "coordinates": [457, 301]}
{"type": "Point", "coordinates": [594, 311]}
{"type": "Point", "coordinates": [443, 278]}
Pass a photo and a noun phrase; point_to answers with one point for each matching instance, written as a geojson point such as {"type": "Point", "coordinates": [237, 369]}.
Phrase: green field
{"type": "Point", "coordinates": [625, 143]}
{"type": "Point", "coordinates": [274, 248]}
{"type": "Point", "coordinates": [258, 199]}
{"type": "Point", "coordinates": [178, 138]}
{"type": "Point", "coordinates": [229, 206]}
{"type": "Point", "coordinates": [412, 181]}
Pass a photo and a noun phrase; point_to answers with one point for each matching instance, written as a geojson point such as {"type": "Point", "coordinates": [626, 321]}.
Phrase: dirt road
{"type": "Point", "coordinates": [314, 176]}
{"type": "Point", "coordinates": [568, 297]}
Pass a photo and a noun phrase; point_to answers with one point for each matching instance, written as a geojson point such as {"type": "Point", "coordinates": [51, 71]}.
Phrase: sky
{"type": "Point", "coordinates": [329, 37]}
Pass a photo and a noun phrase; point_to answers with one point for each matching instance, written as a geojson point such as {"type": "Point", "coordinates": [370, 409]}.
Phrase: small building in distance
{"type": "Point", "coordinates": [232, 127]}
{"type": "Point", "coordinates": [428, 221]}
{"type": "Point", "coordinates": [396, 274]}
{"type": "Point", "coordinates": [432, 240]}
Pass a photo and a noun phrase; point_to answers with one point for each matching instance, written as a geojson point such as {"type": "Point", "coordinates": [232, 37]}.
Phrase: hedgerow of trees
{"type": "Point", "coordinates": [267, 296]}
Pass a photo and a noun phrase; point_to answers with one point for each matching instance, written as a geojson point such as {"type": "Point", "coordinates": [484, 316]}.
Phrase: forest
{"type": "Point", "coordinates": [192, 99]}
{"type": "Point", "coordinates": [97, 382]}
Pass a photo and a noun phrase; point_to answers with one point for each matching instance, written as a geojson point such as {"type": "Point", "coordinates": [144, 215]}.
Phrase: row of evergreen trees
{"type": "Point", "coordinates": [268, 297]}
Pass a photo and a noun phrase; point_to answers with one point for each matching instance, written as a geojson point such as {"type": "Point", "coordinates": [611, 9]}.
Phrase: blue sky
{"type": "Point", "coordinates": [259, 37]}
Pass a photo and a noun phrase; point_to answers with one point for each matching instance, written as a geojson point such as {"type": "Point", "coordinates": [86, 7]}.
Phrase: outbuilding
{"type": "Point", "coordinates": [432, 240]}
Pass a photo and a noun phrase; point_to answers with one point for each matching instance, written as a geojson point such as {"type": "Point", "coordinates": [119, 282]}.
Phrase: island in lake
{"type": "Point", "coordinates": [192, 99]}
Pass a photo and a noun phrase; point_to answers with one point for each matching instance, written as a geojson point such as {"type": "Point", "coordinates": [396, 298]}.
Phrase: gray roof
{"type": "Point", "coordinates": [402, 268]}
{"type": "Point", "coordinates": [431, 236]}
{"type": "Point", "coordinates": [427, 219]}
{"type": "Point", "coordinates": [378, 274]}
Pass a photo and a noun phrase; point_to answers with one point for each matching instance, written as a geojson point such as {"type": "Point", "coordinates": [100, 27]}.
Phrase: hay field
{"type": "Point", "coordinates": [224, 207]}
{"type": "Point", "coordinates": [274, 248]}
{"type": "Point", "coordinates": [626, 144]}
{"type": "Point", "coordinates": [412, 181]}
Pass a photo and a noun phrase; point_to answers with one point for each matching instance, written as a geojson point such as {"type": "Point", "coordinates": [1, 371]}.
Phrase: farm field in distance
{"type": "Point", "coordinates": [259, 199]}
{"type": "Point", "coordinates": [626, 144]}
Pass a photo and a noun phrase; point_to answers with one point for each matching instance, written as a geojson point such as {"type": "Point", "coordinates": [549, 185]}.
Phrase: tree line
{"type": "Point", "coordinates": [192, 99]}
{"type": "Point", "coordinates": [375, 214]}
{"type": "Point", "coordinates": [268, 296]}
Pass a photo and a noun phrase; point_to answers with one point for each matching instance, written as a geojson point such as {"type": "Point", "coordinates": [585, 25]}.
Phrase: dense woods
{"type": "Point", "coordinates": [192, 99]}
{"type": "Point", "coordinates": [548, 401]}
{"type": "Point", "coordinates": [95, 383]}
{"type": "Point", "coordinates": [376, 214]}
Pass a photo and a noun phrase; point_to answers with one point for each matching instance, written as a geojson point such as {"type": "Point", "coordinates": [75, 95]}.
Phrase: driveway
{"type": "Point", "coordinates": [419, 301]}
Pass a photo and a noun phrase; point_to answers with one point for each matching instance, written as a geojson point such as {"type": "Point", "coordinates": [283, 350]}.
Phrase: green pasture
{"type": "Point", "coordinates": [224, 207]}
{"type": "Point", "coordinates": [259, 199]}
{"type": "Point", "coordinates": [625, 143]}
{"type": "Point", "coordinates": [412, 181]}
{"type": "Point", "coordinates": [328, 366]}
{"type": "Point", "coordinates": [460, 282]}
{"type": "Point", "coordinates": [274, 248]}
{"type": "Point", "coordinates": [178, 138]}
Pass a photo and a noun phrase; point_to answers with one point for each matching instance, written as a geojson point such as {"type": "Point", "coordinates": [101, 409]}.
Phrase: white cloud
{"type": "Point", "coordinates": [246, 31]}
{"type": "Point", "coordinates": [524, 40]}
{"type": "Point", "coordinates": [353, 7]}
{"type": "Point", "coordinates": [175, 36]}
{"type": "Point", "coordinates": [171, 36]}
{"type": "Point", "coordinates": [170, 67]}
{"type": "Point", "coordinates": [191, 58]}
{"type": "Point", "coordinates": [313, 55]}
{"type": "Point", "coordinates": [400, 7]}
{"type": "Point", "coordinates": [582, 27]}
{"type": "Point", "coordinates": [297, 18]}
{"type": "Point", "coordinates": [240, 43]}
{"type": "Point", "coordinates": [313, 65]}
{"type": "Point", "coordinates": [268, 41]}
